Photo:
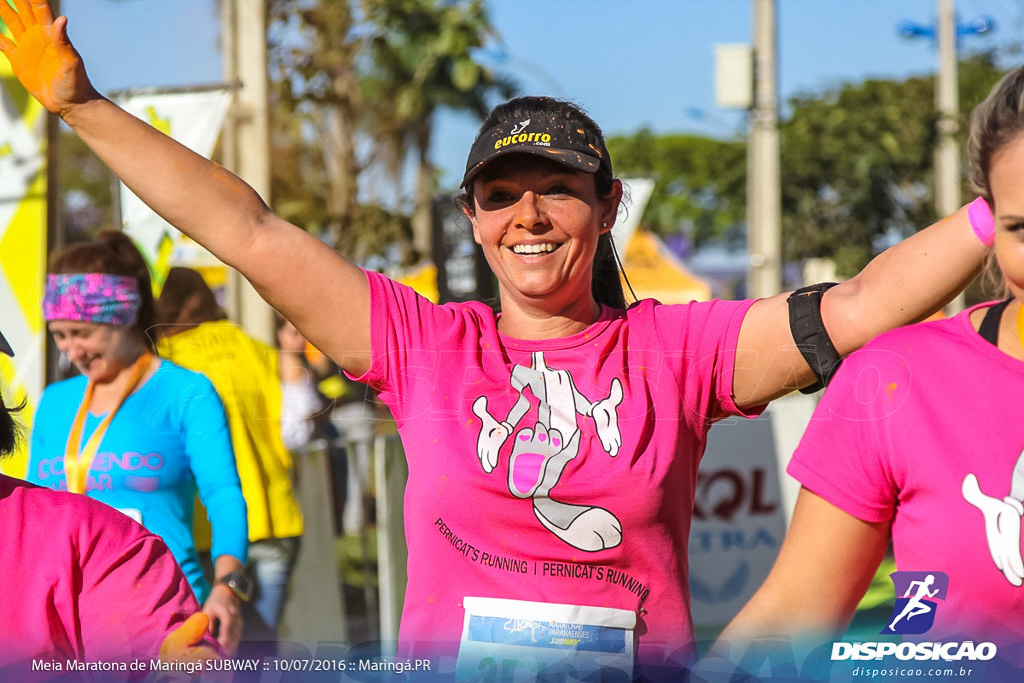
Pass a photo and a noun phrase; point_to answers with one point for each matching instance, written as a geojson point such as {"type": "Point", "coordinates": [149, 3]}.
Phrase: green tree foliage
{"type": "Point", "coordinates": [356, 87]}
{"type": "Point", "coordinates": [87, 185]}
{"type": "Point", "coordinates": [857, 163]}
{"type": "Point", "coordinates": [700, 183]}
{"type": "Point", "coordinates": [856, 168]}
{"type": "Point", "coordinates": [313, 51]}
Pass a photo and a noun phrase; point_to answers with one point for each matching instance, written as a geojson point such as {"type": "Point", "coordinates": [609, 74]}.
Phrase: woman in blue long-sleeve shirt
{"type": "Point", "coordinates": [134, 431]}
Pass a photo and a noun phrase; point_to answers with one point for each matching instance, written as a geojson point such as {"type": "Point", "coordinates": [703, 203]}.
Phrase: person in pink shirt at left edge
{"type": "Point", "coordinates": [86, 587]}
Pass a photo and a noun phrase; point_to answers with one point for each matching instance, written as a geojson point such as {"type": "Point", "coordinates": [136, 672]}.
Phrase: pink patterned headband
{"type": "Point", "coordinates": [92, 298]}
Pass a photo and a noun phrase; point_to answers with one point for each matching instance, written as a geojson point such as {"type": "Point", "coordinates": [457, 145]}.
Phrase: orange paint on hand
{"type": "Point", "coordinates": [185, 642]}
{"type": "Point", "coordinates": [41, 56]}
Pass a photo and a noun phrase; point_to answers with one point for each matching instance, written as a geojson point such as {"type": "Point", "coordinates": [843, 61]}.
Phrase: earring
{"type": "Point", "coordinates": [604, 225]}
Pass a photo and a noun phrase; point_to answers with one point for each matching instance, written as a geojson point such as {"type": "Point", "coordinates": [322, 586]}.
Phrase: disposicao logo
{"type": "Point", "coordinates": [918, 597]}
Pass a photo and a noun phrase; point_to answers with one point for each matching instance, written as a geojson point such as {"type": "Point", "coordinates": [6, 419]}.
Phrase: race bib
{"type": "Point", "coordinates": [522, 640]}
{"type": "Point", "coordinates": [131, 512]}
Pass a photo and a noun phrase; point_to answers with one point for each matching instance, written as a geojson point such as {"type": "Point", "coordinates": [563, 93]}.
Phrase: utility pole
{"type": "Point", "coordinates": [947, 153]}
{"type": "Point", "coordinates": [246, 137]}
{"type": "Point", "coordinates": [946, 33]}
{"type": "Point", "coordinates": [947, 106]}
{"type": "Point", "coordinates": [764, 195]}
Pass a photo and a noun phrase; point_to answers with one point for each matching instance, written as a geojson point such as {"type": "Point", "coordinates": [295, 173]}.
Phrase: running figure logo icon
{"type": "Point", "coordinates": [917, 598]}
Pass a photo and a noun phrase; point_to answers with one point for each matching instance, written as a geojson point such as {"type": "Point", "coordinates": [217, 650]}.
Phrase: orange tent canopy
{"type": "Point", "coordinates": [656, 273]}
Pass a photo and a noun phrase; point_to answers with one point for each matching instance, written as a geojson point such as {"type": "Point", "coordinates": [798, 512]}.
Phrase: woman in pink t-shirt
{"type": "Point", "coordinates": [553, 447]}
{"type": "Point", "coordinates": [919, 440]}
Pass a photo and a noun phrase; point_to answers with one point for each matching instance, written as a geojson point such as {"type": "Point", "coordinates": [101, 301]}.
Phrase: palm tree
{"type": "Point", "coordinates": [422, 61]}
{"type": "Point", "coordinates": [313, 55]}
{"type": "Point", "coordinates": [377, 71]}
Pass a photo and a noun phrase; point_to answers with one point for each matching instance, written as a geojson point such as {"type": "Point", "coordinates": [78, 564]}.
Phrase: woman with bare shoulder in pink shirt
{"type": "Point", "coordinates": [918, 442]}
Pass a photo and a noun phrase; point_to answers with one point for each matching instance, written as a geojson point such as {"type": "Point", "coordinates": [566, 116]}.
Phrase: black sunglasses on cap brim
{"type": "Point", "coordinates": [5, 347]}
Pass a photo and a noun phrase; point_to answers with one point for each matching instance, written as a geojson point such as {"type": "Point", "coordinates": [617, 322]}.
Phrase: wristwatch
{"type": "Point", "coordinates": [239, 583]}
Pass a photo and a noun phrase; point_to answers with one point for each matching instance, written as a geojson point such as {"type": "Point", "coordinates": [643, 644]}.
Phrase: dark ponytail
{"type": "Point", "coordinates": [9, 435]}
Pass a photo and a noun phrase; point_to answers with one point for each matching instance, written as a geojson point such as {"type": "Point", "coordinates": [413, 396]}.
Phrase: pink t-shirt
{"type": "Point", "coordinates": [904, 423]}
{"type": "Point", "coordinates": [81, 581]}
{"type": "Point", "coordinates": [557, 471]}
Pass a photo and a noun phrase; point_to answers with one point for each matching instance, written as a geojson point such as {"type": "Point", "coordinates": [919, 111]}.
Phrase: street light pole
{"type": "Point", "coordinates": [764, 195]}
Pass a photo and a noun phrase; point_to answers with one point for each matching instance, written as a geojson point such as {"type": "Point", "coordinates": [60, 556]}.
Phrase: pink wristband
{"type": "Point", "coordinates": [982, 223]}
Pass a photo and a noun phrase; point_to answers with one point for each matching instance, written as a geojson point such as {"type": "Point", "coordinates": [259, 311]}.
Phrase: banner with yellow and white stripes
{"type": "Point", "coordinates": [22, 249]}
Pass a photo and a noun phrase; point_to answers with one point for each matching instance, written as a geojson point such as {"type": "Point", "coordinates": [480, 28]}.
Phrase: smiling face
{"type": "Point", "coordinates": [98, 350]}
{"type": "Point", "coordinates": [538, 223]}
{"type": "Point", "coordinates": [1008, 196]}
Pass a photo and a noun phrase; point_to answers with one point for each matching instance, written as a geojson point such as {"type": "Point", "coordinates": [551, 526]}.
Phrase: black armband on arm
{"type": "Point", "coordinates": [810, 335]}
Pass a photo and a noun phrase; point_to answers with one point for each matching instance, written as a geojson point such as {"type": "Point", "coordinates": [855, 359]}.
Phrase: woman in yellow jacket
{"type": "Point", "coordinates": [196, 334]}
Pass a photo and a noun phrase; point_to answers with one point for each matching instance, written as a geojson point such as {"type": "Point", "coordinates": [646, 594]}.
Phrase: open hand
{"type": "Point", "coordinates": [492, 435]}
{"type": "Point", "coordinates": [42, 57]}
{"type": "Point", "coordinates": [1002, 529]}
{"type": "Point", "coordinates": [606, 419]}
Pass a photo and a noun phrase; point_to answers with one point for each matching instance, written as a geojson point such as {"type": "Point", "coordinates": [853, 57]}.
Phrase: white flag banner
{"type": "Point", "coordinates": [195, 120]}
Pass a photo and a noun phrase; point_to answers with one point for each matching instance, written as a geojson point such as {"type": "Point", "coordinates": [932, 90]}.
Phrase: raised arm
{"type": "Point", "coordinates": [904, 284]}
{"type": "Point", "coordinates": [324, 295]}
{"type": "Point", "coordinates": [824, 567]}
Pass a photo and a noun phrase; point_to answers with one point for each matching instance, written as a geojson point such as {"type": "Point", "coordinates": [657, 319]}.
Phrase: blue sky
{"type": "Point", "coordinates": [630, 63]}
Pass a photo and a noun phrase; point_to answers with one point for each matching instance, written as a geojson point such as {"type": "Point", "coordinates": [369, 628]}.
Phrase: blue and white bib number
{"type": "Point", "coordinates": [520, 640]}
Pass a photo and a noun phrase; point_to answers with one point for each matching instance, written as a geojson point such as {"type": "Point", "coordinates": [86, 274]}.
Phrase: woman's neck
{"type": "Point", "coordinates": [108, 391]}
{"type": "Point", "coordinates": [532, 320]}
